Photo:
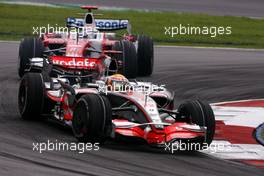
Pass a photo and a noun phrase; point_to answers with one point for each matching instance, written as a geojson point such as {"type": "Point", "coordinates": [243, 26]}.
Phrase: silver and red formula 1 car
{"type": "Point", "coordinates": [90, 38]}
{"type": "Point", "coordinates": [112, 106]}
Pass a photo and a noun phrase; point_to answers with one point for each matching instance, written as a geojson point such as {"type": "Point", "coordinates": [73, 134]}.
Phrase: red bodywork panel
{"type": "Point", "coordinates": [174, 131]}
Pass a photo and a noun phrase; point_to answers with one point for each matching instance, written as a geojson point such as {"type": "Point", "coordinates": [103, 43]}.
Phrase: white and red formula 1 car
{"type": "Point", "coordinates": [113, 106]}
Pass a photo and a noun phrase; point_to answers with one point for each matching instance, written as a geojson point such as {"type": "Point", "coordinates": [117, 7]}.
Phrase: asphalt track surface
{"type": "Point", "coordinates": [251, 8]}
{"type": "Point", "coordinates": [211, 74]}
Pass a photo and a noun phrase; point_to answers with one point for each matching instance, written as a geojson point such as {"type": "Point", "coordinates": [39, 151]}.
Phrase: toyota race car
{"type": "Point", "coordinates": [112, 106]}
{"type": "Point", "coordinates": [131, 55]}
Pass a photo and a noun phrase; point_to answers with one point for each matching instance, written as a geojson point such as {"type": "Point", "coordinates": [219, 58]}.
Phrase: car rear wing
{"type": "Point", "coordinates": [101, 24]}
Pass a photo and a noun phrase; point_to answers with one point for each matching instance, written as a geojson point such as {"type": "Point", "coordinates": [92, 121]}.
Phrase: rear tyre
{"type": "Point", "coordinates": [92, 119]}
{"type": "Point", "coordinates": [31, 96]}
{"type": "Point", "coordinates": [128, 58]}
{"type": "Point", "coordinates": [145, 56]}
{"type": "Point", "coordinates": [29, 47]}
{"type": "Point", "coordinates": [197, 112]}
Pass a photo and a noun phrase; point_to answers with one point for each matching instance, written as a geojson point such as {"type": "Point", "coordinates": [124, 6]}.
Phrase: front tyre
{"type": "Point", "coordinates": [29, 47]}
{"type": "Point", "coordinates": [92, 119]}
{"type": "Point", "coordinates": [199, 113]}
{"type": "Point", "coordinates": [31, 96]}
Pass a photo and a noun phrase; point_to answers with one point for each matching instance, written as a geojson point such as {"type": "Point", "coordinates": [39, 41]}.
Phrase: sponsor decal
{"type": "Point", "coordinates": [103, 24]}
{"type": "Point", "coordinates": [74, 62]}
{"type": "Point", "coordinates": [74, 22]}
{"type": "Point", "coordinates": [111, 24]}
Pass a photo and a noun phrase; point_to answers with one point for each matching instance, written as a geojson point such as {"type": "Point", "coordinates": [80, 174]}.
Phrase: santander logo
{"type": "Point", "coordinates": [71, 62]}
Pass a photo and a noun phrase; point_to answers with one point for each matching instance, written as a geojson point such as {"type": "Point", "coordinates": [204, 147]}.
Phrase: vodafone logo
{"type": "Point", "coordinates": [73, 62]}
{"type": "Point", "coordinates": [70, 62]}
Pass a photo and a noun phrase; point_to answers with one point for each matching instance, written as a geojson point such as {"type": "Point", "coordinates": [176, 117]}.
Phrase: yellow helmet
{"type": "Point", "coordinates": [117, 82]}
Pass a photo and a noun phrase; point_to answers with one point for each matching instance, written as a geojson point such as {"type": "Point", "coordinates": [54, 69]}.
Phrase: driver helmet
{"type": "Point", "coordinates": [117, 82]}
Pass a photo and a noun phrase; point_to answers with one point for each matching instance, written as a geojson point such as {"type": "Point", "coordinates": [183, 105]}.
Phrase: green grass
{"type": "Point", "coordinates": [16, 21]}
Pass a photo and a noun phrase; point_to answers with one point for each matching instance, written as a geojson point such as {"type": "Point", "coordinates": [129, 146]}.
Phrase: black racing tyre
{"type": "Point", "coordinates": [29, 47]}
{"type": "Point", "coordinates": [108, 123]}
{"type": "Point", "coordinates": [145, 55]}
{"type": "Point", "coordinates": [128, 58]}
{"type": "Point", "coordinates": [31, 96]}
{"type": "Point", "coordinates": [200, 113]}
{"type": "Point", "coordinates": [92, 119]}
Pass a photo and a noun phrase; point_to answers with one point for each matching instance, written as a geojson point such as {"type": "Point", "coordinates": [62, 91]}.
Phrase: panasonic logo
{"type": "Point", "coordinates": [111, 24]}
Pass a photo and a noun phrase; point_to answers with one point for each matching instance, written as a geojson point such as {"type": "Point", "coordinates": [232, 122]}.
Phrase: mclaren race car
{"type": "Point", "coordinates": [112, 106]}
{"type": "Point", "coordinates": [90, 38]}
